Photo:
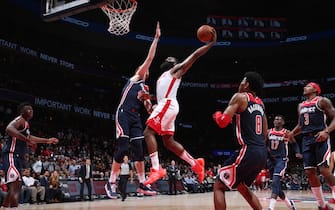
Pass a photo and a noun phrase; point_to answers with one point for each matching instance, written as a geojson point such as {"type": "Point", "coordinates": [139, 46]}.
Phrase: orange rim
{"type": "Point", "coordinates": [106, 7]}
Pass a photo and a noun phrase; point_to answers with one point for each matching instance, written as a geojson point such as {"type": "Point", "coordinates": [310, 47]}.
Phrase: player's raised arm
{"type": "Point", "coordinates": [181, 68]}
{"type": "Point", "coordinates": [144, 68]}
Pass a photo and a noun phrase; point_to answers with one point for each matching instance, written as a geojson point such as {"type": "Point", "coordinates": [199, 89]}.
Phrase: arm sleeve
{"type": "Point", "coordinates": [130, 166]}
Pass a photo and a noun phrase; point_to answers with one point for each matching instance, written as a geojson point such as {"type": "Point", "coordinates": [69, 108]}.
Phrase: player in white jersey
{"type": "Point", "coordinates": [162, 119]}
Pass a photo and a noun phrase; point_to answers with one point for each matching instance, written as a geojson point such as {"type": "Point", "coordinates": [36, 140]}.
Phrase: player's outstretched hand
{"type": "Point", "coordinates": [158, 30]}
{"type": "Point", "coordinates": [53, 140]}
{"type": "Point", "coordinates": [214, 35]}
{"type": "Point", "coordinates": [289, 136]}
{"type": "Point", "coordinates": [322, 136]}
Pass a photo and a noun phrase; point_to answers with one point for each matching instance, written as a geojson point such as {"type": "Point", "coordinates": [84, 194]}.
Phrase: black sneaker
{"type": "Point", "coordinates": [292, 205]}
{"type": "Point", "coordinates": [146, 190]}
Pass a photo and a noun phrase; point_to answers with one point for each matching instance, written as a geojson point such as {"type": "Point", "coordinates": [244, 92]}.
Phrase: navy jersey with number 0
{"type": "Point", "coordinates": [249, 123]}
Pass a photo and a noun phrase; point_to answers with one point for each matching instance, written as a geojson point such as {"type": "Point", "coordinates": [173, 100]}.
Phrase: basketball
{"type": "Point", "coordinates": [204, 33]}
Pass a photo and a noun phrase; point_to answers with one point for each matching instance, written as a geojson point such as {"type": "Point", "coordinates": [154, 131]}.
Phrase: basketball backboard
{"type": "Point", "coordinates": [56, 9]}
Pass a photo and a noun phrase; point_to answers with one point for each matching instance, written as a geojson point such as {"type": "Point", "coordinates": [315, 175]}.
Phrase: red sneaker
{"type": "Point", "coordinates": [199, 169]}
{"type": "Point", "coordinates": [332, 200]}
{"type": "Point", "coordinates": [155, 175]}
{"type": "Point", "coordinates": [326, 208]}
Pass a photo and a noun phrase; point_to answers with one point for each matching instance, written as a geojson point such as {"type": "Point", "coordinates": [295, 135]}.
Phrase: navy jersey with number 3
{"type": "Point", "coordinates": [312, 118]}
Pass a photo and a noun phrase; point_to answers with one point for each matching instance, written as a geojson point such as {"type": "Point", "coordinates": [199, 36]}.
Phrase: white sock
{"type": "Point", "coordinates": [154, 160]}
{"type": "Point", "coordinates": [272, 203]}
{"type": "Point", "coordinates": [317, 191]}
{"type": "Point", "coordinates": [141, 177]}
{"type": "Point", "coordinates": [188, 158]}
{"type": "Point", "coordinates": [112, 178]}
{"type": "Point", "coordinates": [333, 191]}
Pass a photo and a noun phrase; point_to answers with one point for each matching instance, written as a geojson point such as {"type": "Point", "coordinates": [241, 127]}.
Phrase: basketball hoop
{"type": "Point", "coordinates": [119, 13]}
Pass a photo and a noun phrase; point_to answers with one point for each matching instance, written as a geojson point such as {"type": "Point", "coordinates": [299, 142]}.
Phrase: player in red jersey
{"type": "Point", "coordinates": [162, 119]}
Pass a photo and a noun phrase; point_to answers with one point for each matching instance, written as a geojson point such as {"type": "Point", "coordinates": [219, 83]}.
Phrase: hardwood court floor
{"type": "Point", "coordinates": [197, 201]}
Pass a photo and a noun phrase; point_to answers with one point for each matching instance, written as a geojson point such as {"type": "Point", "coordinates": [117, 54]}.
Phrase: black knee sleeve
{"type": "Point", "coordinates": [122, 149]}
{"type": "Point", "coordinates": [276, 189]}
{"type": "Point", "coordinates": [137, 149]}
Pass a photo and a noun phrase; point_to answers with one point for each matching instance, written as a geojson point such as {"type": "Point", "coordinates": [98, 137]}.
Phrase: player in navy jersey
{"type": "Point", "coordinates": [313, 113]}
{"type": "Point", "coordinates": [129, 128]}
{"type": "Point", "coordinates": [247, 112]}
{"type": "Point", "coordinates": [277, 145]}
{"type": "Point", "coordinates": [14, 149]}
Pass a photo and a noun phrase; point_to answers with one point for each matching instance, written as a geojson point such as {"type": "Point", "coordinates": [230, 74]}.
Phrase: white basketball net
{"type": "Point", "coordinates": [119, 13]}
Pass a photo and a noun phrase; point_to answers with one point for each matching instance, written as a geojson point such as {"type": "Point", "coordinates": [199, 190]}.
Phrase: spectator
{"type": "Point", "coordinates": [191, 183]}
{"type": "Point", "coordinates": [216, 169]}
{"type": "Point", "coordinates": [294, 184]}
{"type": "Point", "coordinates": [73, 168]}
{"type": "Point", "coordinates": [304, 183]}
{"type": "Point", "coordinates": [26, 161]}
{"type": "Point", "coordinates": [54, 187]}
{"type": "Point", "coordinates": [25, 195]}
{"type": "Point", "coordinates": [3, 186]}
{"type": "Point", "coordinates": [44, 181]}
{"type": "Point", "coordinates": [45, 163]}
{"type": "Point", "coordinates": [37, 165]}
{"type": "Point", "coordinates": [37, 191]}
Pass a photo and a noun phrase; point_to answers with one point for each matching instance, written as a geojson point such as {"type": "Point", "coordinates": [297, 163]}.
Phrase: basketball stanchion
{"type": "Point", "coordinates": [119, 13]}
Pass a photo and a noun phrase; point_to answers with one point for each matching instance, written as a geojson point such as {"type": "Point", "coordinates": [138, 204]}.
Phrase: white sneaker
{"type": "Point", "coordinates": [111, 190]}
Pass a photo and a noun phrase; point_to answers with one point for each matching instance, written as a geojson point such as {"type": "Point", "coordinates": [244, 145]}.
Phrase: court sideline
{"type": "Point", "coordinates": [196, 201]}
